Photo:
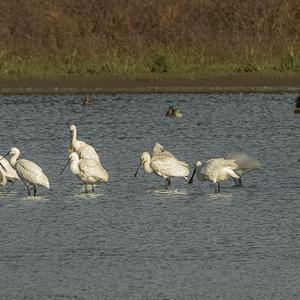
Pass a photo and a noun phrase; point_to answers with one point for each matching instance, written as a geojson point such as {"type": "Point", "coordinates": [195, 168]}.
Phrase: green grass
{"type": "Point", "coordinates": [160, 61]}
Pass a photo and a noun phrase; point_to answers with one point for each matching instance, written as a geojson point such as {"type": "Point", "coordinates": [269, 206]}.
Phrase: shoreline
{"type": "Point", "coordinates": [157, 83]}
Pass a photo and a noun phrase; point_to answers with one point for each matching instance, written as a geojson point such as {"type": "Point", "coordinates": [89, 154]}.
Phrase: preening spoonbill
{"type": "Point", "coordinates": [163, 165]}
{"type": "Point", "coordinates": [87, 170]}
{"type": "Point", "coordinates": [7, 173]}
{"type": "Point", "coordinates": [83, 149]}
{"type": "Point", "coordinates": [245, 164]}
{"type": "Point", "coordinates": [173, 112]}
{"type": "Point", "coordinates": [159, 149]}
{"type": "Point", "coordinates": [215, 170]}
{"type": "Point", "coordinates": [29, 172]}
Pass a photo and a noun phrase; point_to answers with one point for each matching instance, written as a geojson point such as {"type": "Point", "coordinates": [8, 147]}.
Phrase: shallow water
{"type": "Point", "coordinates": [132, 238]}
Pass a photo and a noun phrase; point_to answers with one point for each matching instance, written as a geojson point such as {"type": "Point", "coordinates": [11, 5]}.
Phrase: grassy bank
{"type": "Point", "coordinates": [154, 63]}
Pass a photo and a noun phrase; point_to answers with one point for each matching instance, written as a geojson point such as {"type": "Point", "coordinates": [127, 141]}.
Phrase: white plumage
{"type": "Point", "coordinates": [163, 163]}
{"type": "Point", "coordinates": [29, 172]}
{"type": "Point", "coordinates": [7, 173]}
{"type": "Point", "coordinates": [215, 170]}
{"type": "Point", "coordinates": [245, 164]}
{"type": "Point", "coordinates": [84, 150]}
{"type": "Point", "coordinates": [87, 170]}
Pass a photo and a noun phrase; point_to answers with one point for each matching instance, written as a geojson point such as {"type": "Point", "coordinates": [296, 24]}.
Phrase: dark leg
{"type": "Point", "coordinates": [34, 191]}
{"type": "Point", "coordinates": [93, 188]}
{"type": "Point", "coordinates": [86, 190]}
{"type": "Point", "coordinates": [240, 181]}
{"type": "Point", "coordinates": [168, 181]}
{"type": "Point", "coordinates": [28, 190]}
{"type": "Point", "coordinates": [219, 187]}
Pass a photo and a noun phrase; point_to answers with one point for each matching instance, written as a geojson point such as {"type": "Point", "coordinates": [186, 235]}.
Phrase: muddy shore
{"type": "Point", "coordinates": [152, 84]}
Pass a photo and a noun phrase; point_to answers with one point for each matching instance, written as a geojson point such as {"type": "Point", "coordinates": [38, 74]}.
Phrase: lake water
{"type": "Point", "coordinates": [133, 238]}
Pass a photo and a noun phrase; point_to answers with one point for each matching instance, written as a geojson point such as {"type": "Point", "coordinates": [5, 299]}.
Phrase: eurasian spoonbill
{"type": "Point", "coordinates": [83, 149]}
{"type": "Point", "coordinates": [87, 170]}
{"type": "Point", "coordinates": [245, 164]}
{"type": "Point", "coordinates": [7, 173]}
{"type": "Point", "coordinates": [29, 172]}
{"type": "Point", "coordinates": [163, 165]}
{"type": "Point", "coordinates": [215, 170]}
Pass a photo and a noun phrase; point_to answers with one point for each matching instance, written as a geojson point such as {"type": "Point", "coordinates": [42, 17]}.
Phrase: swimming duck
{"type": "Point", "coordinates": [87, 101]}
{"type": "Point", "coordinates": [174, 112]}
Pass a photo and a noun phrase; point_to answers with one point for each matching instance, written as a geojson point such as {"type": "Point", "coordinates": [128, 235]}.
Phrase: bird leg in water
{"type": "Point", "coordinates": [217, 188]}
{"type": "Point", "coordinates": [28, 190]}
{"type": "Point", "coordinates": [168, 181]}
{"type": "Point", "coordinates": [34, 191]}
{"type": "Point", "coordinates": [93, 188]}
{"type": "Point", "coordinates": [86, 189]}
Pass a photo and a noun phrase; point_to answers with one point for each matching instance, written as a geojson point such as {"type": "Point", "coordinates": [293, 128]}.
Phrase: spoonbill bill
{"type": "Point", "coordinates": [29, 172]}
{"type": "Point", "coordinates": [215, 170]}
{"type": "Point", "coordinates": [87, 170]}
{"type": "Point", "coordinates": [163, 165]}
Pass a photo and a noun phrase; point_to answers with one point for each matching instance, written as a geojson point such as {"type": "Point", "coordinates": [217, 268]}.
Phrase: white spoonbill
{"type": "Point", "coordinates": [166, 166]}
{"type": "Point", "coordinates": [87, 170]}
{"type": "Point", "coordinates": [159, 149]}
{"type": "Point", "coordinates": [29, 172]}
{"type": "Point", "coordinates": [7, 173]}
{"type": "Point", "coordinates": [215, 170]}
{"type": "Point", "coordinates": [245, 164]}
{"type": "Point", "coordinates": [83, 149]}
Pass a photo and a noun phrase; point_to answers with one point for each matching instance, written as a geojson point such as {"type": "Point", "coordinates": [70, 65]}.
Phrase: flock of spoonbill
{"type": "Point", "coordinates": [85, 163]}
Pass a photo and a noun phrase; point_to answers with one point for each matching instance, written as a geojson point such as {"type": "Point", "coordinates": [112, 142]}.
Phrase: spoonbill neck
{"type": "Point", "coordinates": [74, 165]}
{"type": "Point", "coordinates": [147, 166]}
{"type": "Point", "coordinates": [14, 158]}
{"type": "Point", "coordinates": [74, 143]}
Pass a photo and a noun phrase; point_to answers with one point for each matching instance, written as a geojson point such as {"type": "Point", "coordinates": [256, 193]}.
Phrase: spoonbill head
{"type": "Point", "coordinates": [29, 172]}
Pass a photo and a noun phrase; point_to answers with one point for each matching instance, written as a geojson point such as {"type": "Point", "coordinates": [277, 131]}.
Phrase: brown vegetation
{"type": "Point", "coordinates": [227, 30]}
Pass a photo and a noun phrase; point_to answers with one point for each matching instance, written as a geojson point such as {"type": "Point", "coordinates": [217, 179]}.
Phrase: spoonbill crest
{"type": "Point", "coordinates": [87, 170]}
{"type": "Point", "coordinates": [162, 164]}
{"type": "Point", "coordinates": [215, 170]}
{"type": "Point", "coordinates": [29, 172]}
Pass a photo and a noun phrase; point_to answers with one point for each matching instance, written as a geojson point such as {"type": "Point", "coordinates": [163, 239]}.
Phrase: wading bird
{"type": "Point", "coordinates": [83, 149]}
{"type": "Point", "coordinates": [7, 173]}
{"type": "Point", "coordinates": [164, 165]}
{"type": "Point", "coordinates": [215, 170]}
{"type": "Point", "coordinates": [245, 164]}
{"type": "Point", "coordinates": [29, 172]}
{"type": "Point", "coordinates": [87, 170]}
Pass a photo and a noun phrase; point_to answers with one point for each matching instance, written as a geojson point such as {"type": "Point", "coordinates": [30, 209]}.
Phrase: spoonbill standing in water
{"type": "Point", "coordinates": [7, 173]}
{"type": "Point", "coordinates": [245, 164]}
{"type": "Point", "coordinates": [87, 170]}
{"type": "Point", "coordinates": [163, 164]}
{"type": "Point", "coordinates": [215, 170]}
{"type": "Point", "coordinates": [29, 172]}
{"type": "Point", "coordinates": [84, 150]}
